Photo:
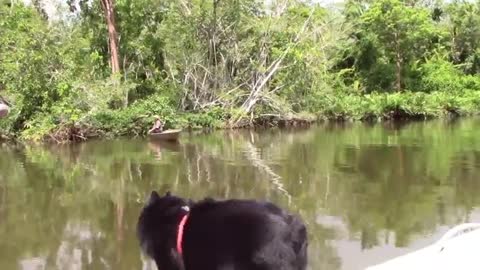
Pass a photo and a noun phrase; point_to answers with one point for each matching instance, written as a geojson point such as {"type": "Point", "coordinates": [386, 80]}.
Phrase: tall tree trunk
{"type": "Point", "coordinates": [213, 43]}
{"type": "Point", "coordinates": [108, 7]}
{"type": "Point", "coordinates": [398, 64]}
{"type": "Point", "coordinates": [454, 53]}
{"type": "Point", "coordinates": [398, 72]}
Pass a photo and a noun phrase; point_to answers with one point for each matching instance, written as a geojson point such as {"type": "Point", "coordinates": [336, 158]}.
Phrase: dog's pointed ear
{"type": "Point", "coordinates": [153, 197]}
{"type": "Point", "coordinates": [168, 194]}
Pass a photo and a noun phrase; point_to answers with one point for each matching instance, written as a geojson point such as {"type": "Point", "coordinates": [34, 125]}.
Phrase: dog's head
{"type": "Point", "coordinates": [157, 226]}
{"type": "Point", "coordinates": [164, 206]}
{"type": "Point", "coordinates": [158, 219]}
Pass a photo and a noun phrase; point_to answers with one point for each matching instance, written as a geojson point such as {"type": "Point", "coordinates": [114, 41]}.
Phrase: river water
{"type": "Point", "coordinates": [367, 192]}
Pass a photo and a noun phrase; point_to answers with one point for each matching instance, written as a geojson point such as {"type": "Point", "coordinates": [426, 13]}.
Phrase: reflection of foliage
{"type": "Point", "coordinates": [406, 180]}
{"type": "Point", "coordinates": [377, 179]}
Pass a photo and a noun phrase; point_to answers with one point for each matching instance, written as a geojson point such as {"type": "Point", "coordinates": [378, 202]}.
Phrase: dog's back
{"type": "Point", "coordinates": [255, 235]}
{"type": "Point", "coordinates": [232, 234]}
{"type": "Point", "coordinates": [298, 237]}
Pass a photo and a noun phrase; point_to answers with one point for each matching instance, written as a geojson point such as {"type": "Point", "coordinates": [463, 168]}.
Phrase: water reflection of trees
{"type": "Point", "coordinates": [405, 181]}
{"type": "Point", "coordinates": [78, 204]}
{"type": "Point", "coordinates": [73, 207]}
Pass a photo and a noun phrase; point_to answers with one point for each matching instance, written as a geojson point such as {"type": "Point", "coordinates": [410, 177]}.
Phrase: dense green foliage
{"type": "Point", "coordinates": [224, 63]}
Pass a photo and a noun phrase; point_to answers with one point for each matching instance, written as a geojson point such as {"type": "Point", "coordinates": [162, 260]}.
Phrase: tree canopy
{"type": "Point", "coordinates": [105, 67]}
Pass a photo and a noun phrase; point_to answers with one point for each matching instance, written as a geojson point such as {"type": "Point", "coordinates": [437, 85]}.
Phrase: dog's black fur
{"type": "Point", "coordinates": [222, 235]}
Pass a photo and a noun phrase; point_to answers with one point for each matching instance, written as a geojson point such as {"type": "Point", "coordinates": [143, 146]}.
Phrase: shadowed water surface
{"type": "Point", "coordinates": [368, 193]}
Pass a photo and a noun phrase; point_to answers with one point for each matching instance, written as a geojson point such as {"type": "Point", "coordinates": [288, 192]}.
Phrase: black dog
{"type": "Point", "coordinates": [221, 235]}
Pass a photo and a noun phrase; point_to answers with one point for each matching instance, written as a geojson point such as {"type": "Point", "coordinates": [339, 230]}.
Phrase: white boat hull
{"type": "Point", "coordinates": [457, 249]}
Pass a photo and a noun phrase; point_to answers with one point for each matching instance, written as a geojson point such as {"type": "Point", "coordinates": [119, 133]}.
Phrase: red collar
{"type": "Point", "coordinates": [180, 234]}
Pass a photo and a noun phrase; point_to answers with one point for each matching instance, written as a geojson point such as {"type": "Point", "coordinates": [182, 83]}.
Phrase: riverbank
{"type": "Point", "coordinates": [136, 119]}
{"type": "Point", "coordinates": [72, 80]}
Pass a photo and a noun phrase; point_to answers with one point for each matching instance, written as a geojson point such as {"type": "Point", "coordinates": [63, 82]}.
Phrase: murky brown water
{"type": "Point", "coordinates": [368, 193]}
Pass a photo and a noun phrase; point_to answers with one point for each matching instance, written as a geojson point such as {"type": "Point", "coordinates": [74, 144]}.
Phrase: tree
{"type": "Point", "coordinates": [29, 62]}
{"type": "Point", "coordinates": [402, 32]}
{"type": "Point", "coordinates": [463, 21]}
{"type": "Point", "coordinates": [108, 7]}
